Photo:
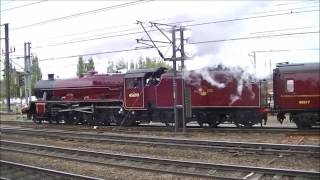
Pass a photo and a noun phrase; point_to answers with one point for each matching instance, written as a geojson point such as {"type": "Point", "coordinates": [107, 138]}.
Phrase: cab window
{"type": "Point", "coordinates": [290, 85]}
{"type": "Point", "coordinates": [133, 83]}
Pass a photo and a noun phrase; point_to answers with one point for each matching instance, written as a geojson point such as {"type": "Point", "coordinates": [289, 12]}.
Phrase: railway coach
{"type": "Point", "coordinates": [296, 90]}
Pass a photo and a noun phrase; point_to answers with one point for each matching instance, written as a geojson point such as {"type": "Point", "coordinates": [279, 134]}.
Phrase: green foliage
{"type": "Point", "coordinates": [89, 66]}
{"type": "Point", "coordinates": [80, 66]}
{"type": "Point", "coordinates": [141, 64]}
{"type": "Point", "coordinates": [14, 88]}
{"type": "Point", "coordinates": [83, 66]}
{"type": "Point", "coordinates": [36, 74]}
{"type": "Point", "coordinates": [121, 65]}
{"type": "Point", "coordinates": [110, 67]}
{"type": "Point", "coordinates": [151, 63]}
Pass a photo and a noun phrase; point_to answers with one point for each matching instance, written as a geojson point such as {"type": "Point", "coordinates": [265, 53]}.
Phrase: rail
{"type": "Point", "coordinates": [186, 168]}
{"type": "Point", "coordinates": [14, 170]}
{"type": "Point", "coordinates": [313, 150]}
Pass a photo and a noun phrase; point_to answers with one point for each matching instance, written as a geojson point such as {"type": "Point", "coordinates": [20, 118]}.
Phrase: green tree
{"type": "Point", "coordinates": [36, 74]}
{"type": "Point", "coordinates": [84, 66]}
{"type": "Point", "coordinates": [110, 67]}
{"type": "Point", "coordinates": [89, 66]}
{"type": "Point", "coordinates": [131, 65]}
{"type": "Point", "coordinates": [80, 66]}
{"type": "Point", "coordinates": [151, 63]}
{"type": "Point", "coordinates": [141, 62]}
{"type": "Point", "coordinates": [14, 89]}
{"type": "Point", "coordinates": [121, 65]}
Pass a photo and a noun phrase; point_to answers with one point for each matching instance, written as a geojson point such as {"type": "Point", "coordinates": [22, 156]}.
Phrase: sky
{"type": "Point", "coordinates": [230, 31]}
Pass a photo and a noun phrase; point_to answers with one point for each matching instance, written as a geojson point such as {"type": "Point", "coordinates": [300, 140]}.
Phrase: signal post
{"type": "Point", "coordinates": [186, 96]}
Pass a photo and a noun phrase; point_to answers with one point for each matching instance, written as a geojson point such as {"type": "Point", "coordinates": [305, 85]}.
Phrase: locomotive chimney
{"type": "Point", "coordinates": [51, 77]}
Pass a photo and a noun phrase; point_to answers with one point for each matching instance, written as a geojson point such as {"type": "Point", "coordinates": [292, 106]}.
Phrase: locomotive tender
{"type": "Point", "coordinates": [146, 95]}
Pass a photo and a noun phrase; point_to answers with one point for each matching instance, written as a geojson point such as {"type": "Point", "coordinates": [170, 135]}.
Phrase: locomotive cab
{"type": "Point", "coordinates": [136, 83]}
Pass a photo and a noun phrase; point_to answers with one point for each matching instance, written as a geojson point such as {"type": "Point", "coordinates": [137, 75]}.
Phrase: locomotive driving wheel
{"type": "Point", "coordinates": [62, 116]}
{"type": "Point", "coordinates": [75, 118]}
{"type": "Point", "coordinates": [88, 118]}
{"type": "Point", "coordinates": [129, 119]}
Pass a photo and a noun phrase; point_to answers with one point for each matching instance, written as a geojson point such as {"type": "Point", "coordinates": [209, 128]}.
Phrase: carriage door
{"type": "Point", "coordinates": [134, 93]}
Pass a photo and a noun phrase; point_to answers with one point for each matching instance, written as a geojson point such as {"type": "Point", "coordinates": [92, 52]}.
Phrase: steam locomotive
{"type": "Point", "coordinates": [211, 96]}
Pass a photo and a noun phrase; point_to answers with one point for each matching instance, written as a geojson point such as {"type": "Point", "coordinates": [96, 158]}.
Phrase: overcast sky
{"type": "Point", "coordinates": [232, 40]}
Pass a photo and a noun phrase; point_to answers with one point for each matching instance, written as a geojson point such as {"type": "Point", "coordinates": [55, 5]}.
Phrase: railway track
{"type": "Point", "coordinates": [311, 150]}
{"type": "Point", "coordinates": [13, 170]}
{"type": "Point", "coordinates": [184, 168]}
{"type": "Point", "coordinates": [158, 128]}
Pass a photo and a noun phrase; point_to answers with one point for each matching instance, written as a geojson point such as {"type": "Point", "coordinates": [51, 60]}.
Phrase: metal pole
{"type": "Point", "coordinates": [174, 79]}
{"type": "Point", "coordinates": [183, 83]}
{"type": "Point", "coordinates": [25, 73]}
{"type": "Point", "coordinates": [6, 28]}
{"type": "Point", "coordinates": [29, 73]}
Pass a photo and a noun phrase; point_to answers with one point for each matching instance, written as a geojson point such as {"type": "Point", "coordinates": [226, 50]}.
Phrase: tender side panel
{"type": "Point", "coordinates": [228, 96]}
{"type": "Point", "coordinates": [205, 95]}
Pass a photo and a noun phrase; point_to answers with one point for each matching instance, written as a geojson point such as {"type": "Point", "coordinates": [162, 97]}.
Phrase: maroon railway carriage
{"type": "Point", "coordinates": [297, 93]}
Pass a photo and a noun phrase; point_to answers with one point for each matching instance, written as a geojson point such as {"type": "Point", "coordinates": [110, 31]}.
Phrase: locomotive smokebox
{"type": "Point", "coordinates": [51, 77]}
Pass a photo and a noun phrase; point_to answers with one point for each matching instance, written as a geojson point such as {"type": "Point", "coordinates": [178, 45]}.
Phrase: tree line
{"type": "Point", "coordinates": [84, 66]}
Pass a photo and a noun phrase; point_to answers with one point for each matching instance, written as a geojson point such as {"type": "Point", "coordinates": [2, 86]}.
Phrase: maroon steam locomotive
{"type": "Point", "coordinates": [215, 96]}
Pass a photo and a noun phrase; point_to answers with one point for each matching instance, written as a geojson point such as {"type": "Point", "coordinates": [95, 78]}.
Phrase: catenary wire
{"type": "Point", "coordinates": [254, 17]}
{"type": "Point", "coordinates": [286, 29]}
{"type": "Point", "coordinates": [255, 37]}
{"type": "Point", "coordinates": [25, 5]}
{"type": "Point", "coordinates": [279, 10]}
{"type": "Point", "coordinates": [98, 35]}
{"type": "Point", "coordinates": [190, 43]}
{"type": "Point", "coordinates": [106, 28]}
{"type": "Point", "coordinates": [190, 25]}
{"type": "Point", "coordinates": [132, 28]}
{"type": "Point", "coordinates": [84, 13]}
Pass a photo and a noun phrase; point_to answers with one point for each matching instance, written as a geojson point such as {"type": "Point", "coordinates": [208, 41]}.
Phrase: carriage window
{"type": "Point", "coordinates": [290, 86]}
{"type": "Point", "coordinates": [133, 83]}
